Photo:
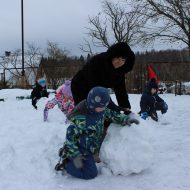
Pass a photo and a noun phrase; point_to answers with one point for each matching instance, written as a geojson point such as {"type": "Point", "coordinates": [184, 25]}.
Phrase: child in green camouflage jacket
{"type": "Point", "coordinates": [84, 135]}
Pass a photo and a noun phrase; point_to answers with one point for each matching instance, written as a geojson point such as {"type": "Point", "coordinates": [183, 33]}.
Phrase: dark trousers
{"type": "Point", "coordinates": [159, 106]}
{"type": "Point", "coordinates": [89, 170]}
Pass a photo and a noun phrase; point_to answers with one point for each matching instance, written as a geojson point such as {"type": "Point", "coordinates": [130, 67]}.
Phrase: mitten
{"type": "Point", "coordinates": [132, 120]}
{"type": "Point", "coordinates": [78, 161]}
{"type": "Point", "coordinates": [165, 108]}
{"type": "Point", "coordinates": [144, 115]}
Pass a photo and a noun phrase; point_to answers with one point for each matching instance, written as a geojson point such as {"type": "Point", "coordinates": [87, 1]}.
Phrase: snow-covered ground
{"type": "Point", "coordinates": [29, 147]}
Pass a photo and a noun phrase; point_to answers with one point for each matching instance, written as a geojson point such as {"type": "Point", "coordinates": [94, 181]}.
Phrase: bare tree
{"type": "Point", "coordinates": [32, 59]}
{"type": "Point", "coordinates": [55, 52]}
{"type": "Point", "coordinates": [86, 47]}
{"type": "Point", "coordinates": [114, 24]}
{"type": "Point", "coordinates": [12, 64]}
{"type": "Point", "coordinates": [169, 20]}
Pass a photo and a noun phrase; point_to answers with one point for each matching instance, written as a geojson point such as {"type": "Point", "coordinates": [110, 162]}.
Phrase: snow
{"type": "Point", "coordinates": [157, 153]}
{"type": "Point", "coordinates": [127, 150]}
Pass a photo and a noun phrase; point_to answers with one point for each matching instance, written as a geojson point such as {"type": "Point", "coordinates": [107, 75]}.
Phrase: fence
{"type": "Point", "coordinates": [55, 76]}
{"type": "Point", "coordinates": [135, 80]}
{"type": "Point", "coordinates": [12, 77]}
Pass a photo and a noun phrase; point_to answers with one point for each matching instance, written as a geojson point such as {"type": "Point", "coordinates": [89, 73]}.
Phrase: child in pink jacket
{"type": "Point", "coordinates": [63, 98]}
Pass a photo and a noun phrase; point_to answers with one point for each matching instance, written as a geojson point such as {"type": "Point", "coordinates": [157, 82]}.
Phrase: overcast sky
{"type": "Point", "coordinates": [60, 21]}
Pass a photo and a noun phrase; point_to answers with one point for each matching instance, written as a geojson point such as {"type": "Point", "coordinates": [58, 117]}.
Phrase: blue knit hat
{"type": "Point", "coordinates": [98, 97]}
{"type": "Point", "coordinates": [41, 82]}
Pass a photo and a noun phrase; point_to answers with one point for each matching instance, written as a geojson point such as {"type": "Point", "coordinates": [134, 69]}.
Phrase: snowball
{"type": "Point", "coordinates": [126, 150]}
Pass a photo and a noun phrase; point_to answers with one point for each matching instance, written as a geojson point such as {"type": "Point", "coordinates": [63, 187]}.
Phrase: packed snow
{"type": "Point", "coordinates": [151, 155]}
{"type": "Point", "coordinates": [126, 150]}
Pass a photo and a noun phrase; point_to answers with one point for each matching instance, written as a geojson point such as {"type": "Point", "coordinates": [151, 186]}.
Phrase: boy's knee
{"type": "Point", "coordinates": [91, 175]}
{"type": "Point", "coordinates": [85, 173]}
{"type": "Point", "coordinates": [163, 107]}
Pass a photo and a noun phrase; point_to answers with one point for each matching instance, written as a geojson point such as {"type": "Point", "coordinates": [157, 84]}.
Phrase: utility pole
{"type": "Point", "coordinates": [23, 77]}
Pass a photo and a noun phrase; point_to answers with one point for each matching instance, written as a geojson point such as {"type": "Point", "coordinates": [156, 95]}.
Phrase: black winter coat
{"type": "Point", "coordinates": [39, 91]}
{"type": "Point", "coordinates": [149, 103]}
{"type": "Point", "coordinates": [99, 71]}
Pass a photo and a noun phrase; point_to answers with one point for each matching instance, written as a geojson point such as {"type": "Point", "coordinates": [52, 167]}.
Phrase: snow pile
{"type": "Point", "coordinates": [127, 150]}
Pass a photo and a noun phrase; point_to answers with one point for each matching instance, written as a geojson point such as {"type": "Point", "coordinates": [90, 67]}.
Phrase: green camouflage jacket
{"type": "Point", "coordinates": [84, 135]}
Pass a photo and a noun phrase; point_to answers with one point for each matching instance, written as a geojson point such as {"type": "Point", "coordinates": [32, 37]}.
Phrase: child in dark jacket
{"type": "Point", "coordinates": [151, 102]}
{"type": "Point", "coordinates": [84, 135]}
{"type": "Point", "coordinates": [39, 91]}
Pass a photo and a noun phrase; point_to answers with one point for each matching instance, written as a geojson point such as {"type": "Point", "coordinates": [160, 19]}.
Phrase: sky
{"type": "Point", "coordinates": [61, 21]}
{"type": "Point", "coordinates": [149, 156]}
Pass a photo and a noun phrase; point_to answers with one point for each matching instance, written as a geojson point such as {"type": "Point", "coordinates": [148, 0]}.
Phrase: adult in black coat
{"type": "Point", "coordinates": [39, 91]}
{"type": "Point", "coordinates": [151, 102]}
{"type": "Point", "coordinates": [108, 70]}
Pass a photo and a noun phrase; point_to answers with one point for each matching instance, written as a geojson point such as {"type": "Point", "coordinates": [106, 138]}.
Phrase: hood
{"type": "Point", "coordinates": [122, 49]}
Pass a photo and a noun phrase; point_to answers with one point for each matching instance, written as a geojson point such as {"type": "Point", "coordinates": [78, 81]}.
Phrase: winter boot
{"type": "Point", "coordinates": [154, 116]}
{"type": "Point", "coordinates": [60, 166]}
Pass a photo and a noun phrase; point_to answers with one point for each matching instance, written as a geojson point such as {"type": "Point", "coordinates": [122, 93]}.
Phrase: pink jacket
{"type": "Point", "coordinates": [65, 103]}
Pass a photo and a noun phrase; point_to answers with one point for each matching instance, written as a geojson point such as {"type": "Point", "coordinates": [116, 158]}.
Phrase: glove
{"type": "Point", "coordinates": [132, 120]}
{"type": "Point", "coordinates": [144, 115]}
{"type": "Point", "coordinates": [165, 108]}
{"type": "Point", "coordinates": [78, 161]}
